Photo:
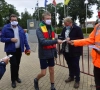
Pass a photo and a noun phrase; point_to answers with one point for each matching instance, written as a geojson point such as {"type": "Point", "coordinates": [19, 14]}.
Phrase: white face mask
{"type": "Point", "coordinates": [14, 23]}
{"type": "Point", "coordinates": [48, 22]}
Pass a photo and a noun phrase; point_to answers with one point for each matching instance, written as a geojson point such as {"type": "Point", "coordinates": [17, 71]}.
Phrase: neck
{"type": "Point", "coordinates": [14, 26]}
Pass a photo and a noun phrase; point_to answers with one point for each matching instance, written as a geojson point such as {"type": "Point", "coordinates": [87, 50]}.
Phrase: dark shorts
{"type": "Point", "coordinates": [44, 63]}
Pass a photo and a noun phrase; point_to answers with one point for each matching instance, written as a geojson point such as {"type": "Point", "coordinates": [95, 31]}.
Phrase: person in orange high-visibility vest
{"type": "Point", "coordinates": [93, 39]}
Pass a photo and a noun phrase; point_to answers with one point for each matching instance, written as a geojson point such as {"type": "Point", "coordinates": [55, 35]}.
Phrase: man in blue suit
{"type": "Point", "coordinates": [14, 38]}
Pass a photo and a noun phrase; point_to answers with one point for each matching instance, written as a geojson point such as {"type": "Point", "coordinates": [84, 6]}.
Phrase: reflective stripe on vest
{"type": "Point", "coordinates": [97, 44]}
{"type": "Point", "coordinates": [97, 28]}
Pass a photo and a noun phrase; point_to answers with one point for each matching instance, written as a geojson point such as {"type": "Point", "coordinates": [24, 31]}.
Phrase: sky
{"type": "Point", "coordinates": [21, 5]}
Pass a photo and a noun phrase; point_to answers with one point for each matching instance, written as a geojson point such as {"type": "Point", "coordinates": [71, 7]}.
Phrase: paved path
{"type": "Point", "coordinates": [29, 68]}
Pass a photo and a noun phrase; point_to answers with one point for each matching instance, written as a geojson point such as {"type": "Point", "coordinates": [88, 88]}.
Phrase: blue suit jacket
{"type": "Point", "coordinates": [8, 33]}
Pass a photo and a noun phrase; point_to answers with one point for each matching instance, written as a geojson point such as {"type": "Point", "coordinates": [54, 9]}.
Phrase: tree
{"type": "Point", "coordinates": [38, 13]}
{"type": "Point", "coordinates": [5, 11]}
{"type": "Point", "coordinates": [77, 9]}
{"type": "Point", "coordinates": [60, 11]}
{"type": "Point", "coordinates": [24, 16]}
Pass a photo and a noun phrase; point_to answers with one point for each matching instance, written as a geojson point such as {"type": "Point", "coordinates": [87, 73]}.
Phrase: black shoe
{"type": "Point", "coordinates": [13, 84]}
{"type": "Point", "coordinates": [18, 80]}
{"type": "Point", "coordinates": [69, 80]}
{"type": "Point", "coordinates": [36, 84]}
{"type": "Point", "coordinates": [53, 89]}
{"type": "Point", "coordinates": [76, 85]}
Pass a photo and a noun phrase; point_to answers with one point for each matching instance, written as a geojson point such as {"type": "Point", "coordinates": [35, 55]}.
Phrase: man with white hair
{"type": "Point", "coordinates": [71, 53]}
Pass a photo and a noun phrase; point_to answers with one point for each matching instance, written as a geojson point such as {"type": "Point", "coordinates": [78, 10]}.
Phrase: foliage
{"type": "Point", "coordinates": [89, 30]}
{"type": "Point", "coordinates": [24, 17]}
{"type": "Point", "coordinates": [5, 11]}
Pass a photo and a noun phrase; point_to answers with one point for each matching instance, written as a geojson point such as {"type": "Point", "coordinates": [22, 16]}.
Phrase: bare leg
{"type": "Point", "coordinates": [43, 73]}
{"type": "Point", "coordinates": [51, 71]}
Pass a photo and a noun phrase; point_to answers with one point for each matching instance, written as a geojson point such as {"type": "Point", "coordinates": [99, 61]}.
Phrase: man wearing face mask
{"type": "Point", "coordinates": [14, 38]}
{"type": "Point", "coordinates": [71, 53]}
{"type": "Point", "coordinates": [47, 48]}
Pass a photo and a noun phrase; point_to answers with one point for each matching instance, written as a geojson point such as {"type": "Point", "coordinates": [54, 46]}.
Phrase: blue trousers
{"type": "Point", "coordinates": [73, 66]}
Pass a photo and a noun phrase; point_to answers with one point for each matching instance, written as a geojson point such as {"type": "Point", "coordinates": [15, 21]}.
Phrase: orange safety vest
{"type": "Point", "coordinates": [94, 38]}
{"type": "Point", "coordinates": [46, 35]}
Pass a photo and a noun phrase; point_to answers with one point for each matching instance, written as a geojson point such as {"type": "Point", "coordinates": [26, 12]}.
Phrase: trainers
{"type": "Point", "coordinates": [69, 80]}
{"type": "Point", "coordinates": [36, 84]}
{"type": "Point", "coordinates": [53, 89]}
{"type": "Point", "coordinates": [76, 85]}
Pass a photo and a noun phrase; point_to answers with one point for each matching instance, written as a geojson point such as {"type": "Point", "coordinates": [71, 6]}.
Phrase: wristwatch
{"type": "Point", "coordinates": [2, 62]}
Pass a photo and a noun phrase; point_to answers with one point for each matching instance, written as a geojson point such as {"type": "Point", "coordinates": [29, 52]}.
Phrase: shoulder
{"type": "Point", "coordinates": [20, 27]}
{"type": "Point", "coordinates": [64, 28]}
{"type": "Point", "coordinates": [38, 30]}
{"type": "Point", "coordinates": [76, 27]}
{"type": "Point", "coordinates": [7, 26]}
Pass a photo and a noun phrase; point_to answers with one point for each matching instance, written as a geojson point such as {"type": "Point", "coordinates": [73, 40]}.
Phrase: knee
{"type": "Point", "coordinates": [43, 73]}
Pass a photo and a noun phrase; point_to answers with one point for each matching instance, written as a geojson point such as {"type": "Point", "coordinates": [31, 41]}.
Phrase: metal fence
{"type": "Point", "coordinates": [86, 65]}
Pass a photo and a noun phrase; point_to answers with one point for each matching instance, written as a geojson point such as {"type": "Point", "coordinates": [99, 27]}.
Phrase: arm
{"type": "Point", "coordinates": [62, 36]}
{"type": "Point", "coordinates": [44, 41]}
{"type": "Point", "coordinates": [86, 41]}
{"type": "Point", "coordinates": [2, 69]}
{"type": "Point", "coordinates": [3, 36]}
{"type": "Point", "coordinates": [26, 43]}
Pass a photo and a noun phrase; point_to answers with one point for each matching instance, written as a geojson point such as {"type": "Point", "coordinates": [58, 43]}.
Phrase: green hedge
{"type": "Point", "coordinates": [89, 30]}
{"type": "Point", "coordinates": [59, 30]}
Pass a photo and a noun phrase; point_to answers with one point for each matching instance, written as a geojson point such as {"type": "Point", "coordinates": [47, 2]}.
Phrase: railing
{"type": "Point", "coordinates": [86, 65]}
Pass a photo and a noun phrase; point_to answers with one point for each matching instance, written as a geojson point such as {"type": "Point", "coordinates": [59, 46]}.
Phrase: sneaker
{"type": "Point", "coordinates": [53, 89]}
{"type": "Point", "coordinates": [69, 80]}
{"type": "Point", "coordinates": [36, 84]}
{"type": "Point", "coordinates": [76, 85]}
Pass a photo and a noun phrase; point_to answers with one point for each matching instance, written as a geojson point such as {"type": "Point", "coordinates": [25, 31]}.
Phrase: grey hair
{"type": "Point", "coordinates": [68, 19]}
{"type": "Point", "coordinates": [46, 13]}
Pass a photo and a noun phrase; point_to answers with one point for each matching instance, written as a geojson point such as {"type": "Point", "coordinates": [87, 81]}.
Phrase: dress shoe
{"type": "Point", "coordinates": [69, 80]}
{"type": "Point", "coordinates": [76, 85]}
{"type": "Point", "coordinates": [36, 84]}
{"type": "Point", "coordinates": [18, 80]}
{"type": "Point", "coordinates": [14, 84]}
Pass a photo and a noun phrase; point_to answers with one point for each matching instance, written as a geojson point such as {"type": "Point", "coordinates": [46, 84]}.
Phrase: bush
{"type": "Point", "coordinates": [89, 30]}
{"type": "Point", "coordinates": [58, 30]}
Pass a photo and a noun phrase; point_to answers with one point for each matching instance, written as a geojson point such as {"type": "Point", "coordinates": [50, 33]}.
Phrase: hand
{"type": "Point", "coordinates": [59, 41]}
{"type": "Point", "coordinates": [14, 40]}
{"type": "Point", "coordinates": [70, 42]}
{"type": "Point", "coordinates": [6, 60]}
{"type": "Point", "coordinates": [67, 39]}
{"type": "Point", "coordinates": [27, 52]}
